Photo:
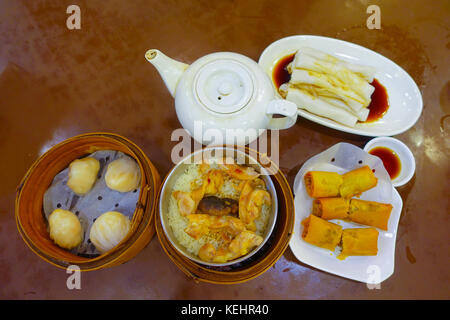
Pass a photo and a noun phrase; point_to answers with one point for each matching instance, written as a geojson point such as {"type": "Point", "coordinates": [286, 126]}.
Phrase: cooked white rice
{"type": "Point", "coordinates": [192, 176]}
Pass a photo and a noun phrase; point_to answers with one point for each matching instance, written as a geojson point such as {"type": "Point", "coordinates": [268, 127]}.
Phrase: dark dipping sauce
{"type": "Point", "coordinates": [390, 159]}
{"type": "Point", "coordinates": [280, 73]}
{"type": "Point", "coordinates": [379, 104]}
{"type": "Point", "coordinates": [379, 100]}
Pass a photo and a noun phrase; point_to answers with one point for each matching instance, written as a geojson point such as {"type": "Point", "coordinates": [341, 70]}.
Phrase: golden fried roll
{"type": "Point", "coordinates": [357, 181]}
{"type": "Point", "coordinates": [321, 233]}
{"type": "Point", "coordinates": [322, 184]}
{"type": "Point", "coordinates": [331, 208]}
{"type": "Point", "coordinates": [359, 242]}
{"type": "Point", "coordinates": [370, 213]}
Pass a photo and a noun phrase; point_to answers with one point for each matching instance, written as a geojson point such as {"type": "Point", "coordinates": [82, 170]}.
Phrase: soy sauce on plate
{"type": "Point", "coordinates": [280, 73]}
{"type": "Point", "coordinates": [379, 102]}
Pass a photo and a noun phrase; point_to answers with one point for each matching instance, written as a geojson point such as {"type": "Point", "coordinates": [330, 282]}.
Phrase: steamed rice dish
{"type": "Point", "coordinates": [208, 234]}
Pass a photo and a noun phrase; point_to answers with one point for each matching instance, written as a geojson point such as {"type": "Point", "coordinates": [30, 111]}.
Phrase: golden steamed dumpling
{"type": "Point", "coordinates": [65, 228]}
{"type": "Point", "coordinates": [108, 230]}
{"type": "Point", "coordinates": [83, 174]}
{"type": "Point", "coordinates": [123, 175]}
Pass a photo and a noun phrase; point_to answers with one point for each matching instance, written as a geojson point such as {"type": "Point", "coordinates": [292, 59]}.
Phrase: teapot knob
{"type": "Point", "coordinates": [224, 86]}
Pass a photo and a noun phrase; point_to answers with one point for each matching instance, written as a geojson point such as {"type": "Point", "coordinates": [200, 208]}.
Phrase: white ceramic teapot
{"type": "Point", "coordinates": [223, 98]}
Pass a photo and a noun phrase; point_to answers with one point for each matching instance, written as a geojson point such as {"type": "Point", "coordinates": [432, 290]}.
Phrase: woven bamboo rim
{"type": "Point", "coordinates": [29, 198]}
{"type": "Point", "coordinates": [263, 260]}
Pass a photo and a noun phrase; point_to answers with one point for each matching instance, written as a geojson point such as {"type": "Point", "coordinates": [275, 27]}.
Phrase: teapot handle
{"type": "Point", "coordinates": [286, 108]}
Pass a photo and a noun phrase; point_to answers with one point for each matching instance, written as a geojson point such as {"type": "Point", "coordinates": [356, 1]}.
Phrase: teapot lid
{"type": "Point", "coordinates": [224, 86]}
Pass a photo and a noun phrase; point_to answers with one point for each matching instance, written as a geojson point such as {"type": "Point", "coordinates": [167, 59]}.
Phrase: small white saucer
{"type": "Point", "coordinates": [403, 152]}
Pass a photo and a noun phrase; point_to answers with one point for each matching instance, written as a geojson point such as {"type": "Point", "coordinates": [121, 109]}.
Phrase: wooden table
{"type": "Point", "coordinates": [56, 83]}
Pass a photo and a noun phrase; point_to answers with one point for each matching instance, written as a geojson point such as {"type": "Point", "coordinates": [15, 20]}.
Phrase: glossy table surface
{"type": "Point", "coordinates": [56, 83]}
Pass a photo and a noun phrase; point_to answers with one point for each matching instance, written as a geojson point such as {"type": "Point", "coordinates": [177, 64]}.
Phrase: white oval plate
{"type": "Point", "coordinates": [405, 100]}
{"type": "Point", "coordinates": [341, 158]}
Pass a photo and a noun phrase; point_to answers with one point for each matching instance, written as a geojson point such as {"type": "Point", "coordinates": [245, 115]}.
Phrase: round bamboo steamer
{"type": "Point", "coordinates": [30, 218]}
{"type": "Point", "coordinates": [263, 259]}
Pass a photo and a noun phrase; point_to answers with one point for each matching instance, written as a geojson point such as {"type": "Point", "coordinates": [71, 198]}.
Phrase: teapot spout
{"type": "Point", "coordinates": [169, 69]}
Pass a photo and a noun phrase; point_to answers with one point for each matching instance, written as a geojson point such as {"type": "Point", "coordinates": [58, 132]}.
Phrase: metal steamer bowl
{"type": "Point", "coordinates": [214, 152]}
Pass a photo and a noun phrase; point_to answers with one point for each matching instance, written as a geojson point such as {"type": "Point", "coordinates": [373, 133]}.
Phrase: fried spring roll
{"type": "Point", "coordinates": [322, 184]}
{"type": "Point", "coordinates": [370, 213]}
{"type": "Point", "coordinates": [321, 233]}
{"type": "Point", "coordinates": [357, 181]}
{"type": "Point", "coordinates": [359, 242]}
{"type": "Point", "coordinates": [331, 208]}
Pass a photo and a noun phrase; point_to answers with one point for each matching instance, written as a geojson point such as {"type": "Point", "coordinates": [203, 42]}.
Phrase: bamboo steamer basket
{"type": "Point", "coordinates": [29, 214]}
{"type": "Point", "coordinates": [259, 262]}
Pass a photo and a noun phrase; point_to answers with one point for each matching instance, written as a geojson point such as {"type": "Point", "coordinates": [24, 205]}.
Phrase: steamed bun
{"type": "Point", "coordinates": [123, 175]}
{"type": "Point", "coordinates": [65, 228]}
{"type": "Point", "coordinates": [83, 174]}
{"type": "Point", "coordinates": [108, 230]}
